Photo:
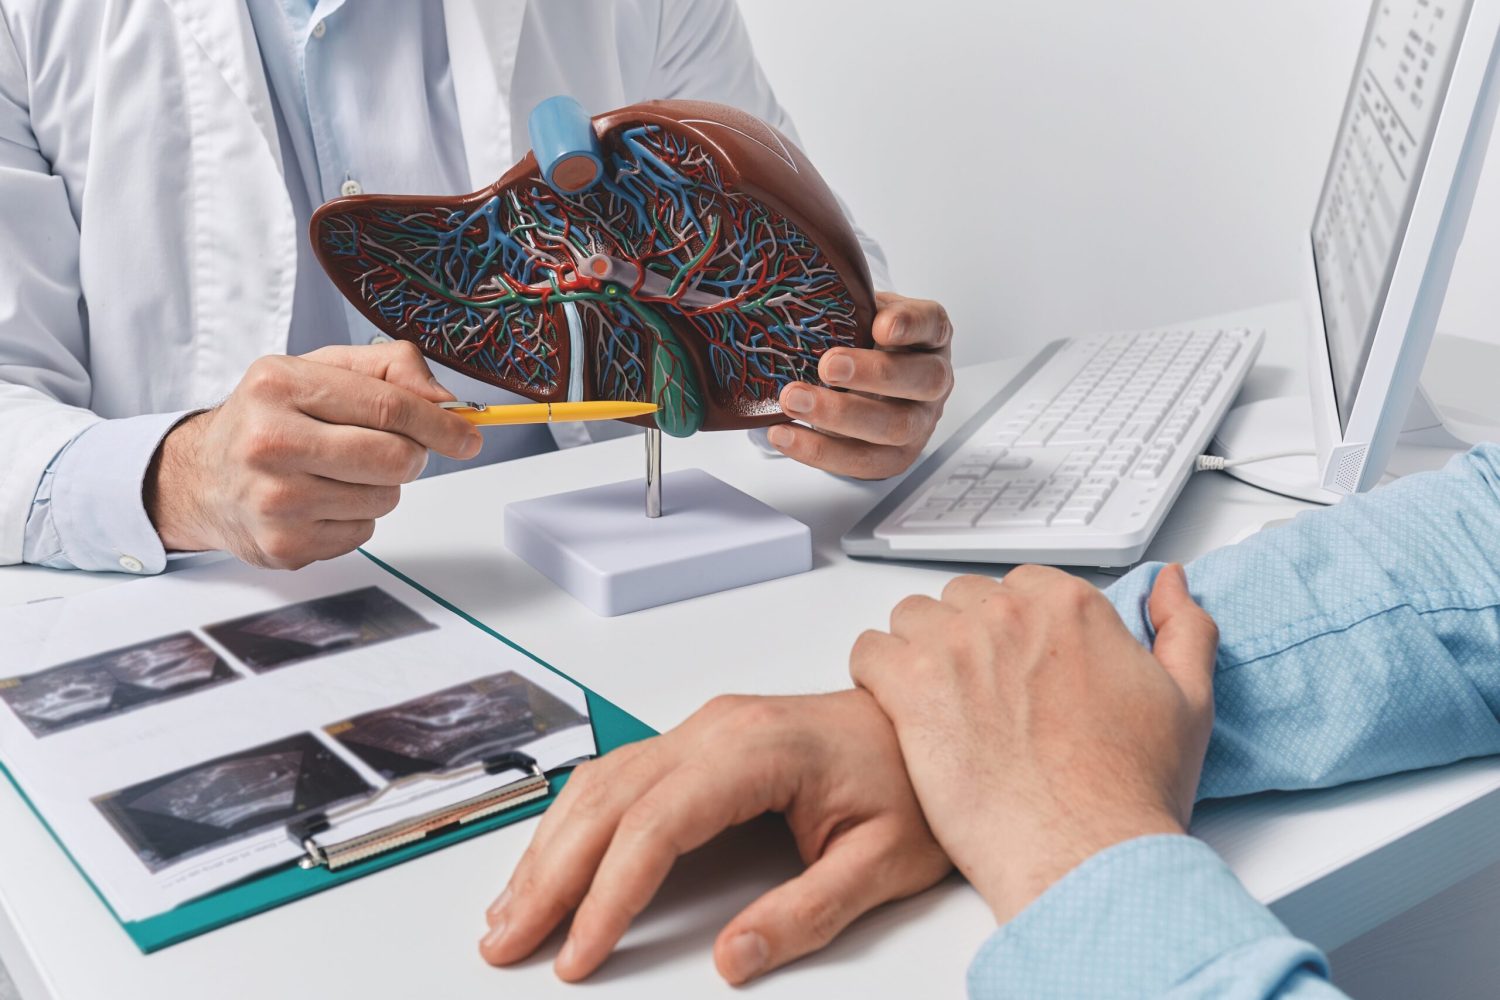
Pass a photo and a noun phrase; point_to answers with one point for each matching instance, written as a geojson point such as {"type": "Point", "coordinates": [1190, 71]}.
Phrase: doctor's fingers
{"type": "Point", "coordinates": [343, 452]}
{"type": "Point", "coordinates": [398, 362]}
{"type": "Point", "coordinates": [906, 323]}
{"type": "Point", "coordinates": [841, 456]}
{"type": "Point", "coordinates": [293, 548]}
{"type": "Point", "coordinates": [338, 396]}
{"type": "Point", "coordinates": [924, 377]}
{"type": "Point", "coordinates": [306, 500]}
{"type": "Point", "coordinates": [879, 421]}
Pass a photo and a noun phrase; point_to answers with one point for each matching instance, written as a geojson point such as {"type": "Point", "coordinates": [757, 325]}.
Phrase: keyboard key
{"type": "Point", "coordinates": [975, 471]}
{"type": "Point", "coordinates": [953, 519]}
{"type": "Point", "coordinates": [1011, 462]}
{"type": "Point", "coordinates": [1038, 433]}
{"type": "Point", "coordinates": [1150, 468]}
{"type": "Point", "coordinates": [983, 493]}
{"type": "Point", "coordinates": [977, 506]}
{"type": "Point", "coordinates": [1072, 437]}
{"type": "Point", "coordinates": [1137, 432]}
{"type": "Point", "coordinates": [951, 490]}
{"type": "Point", "coordinates": [933, 506]}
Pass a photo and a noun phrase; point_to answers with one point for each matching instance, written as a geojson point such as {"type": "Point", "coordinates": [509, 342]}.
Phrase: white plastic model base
{"type": "Point", "coordinates": [599, 545]}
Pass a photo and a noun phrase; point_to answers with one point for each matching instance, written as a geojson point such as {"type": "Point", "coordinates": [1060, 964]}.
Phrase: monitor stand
{"type": "Point", "coordinates": [1283, 423]}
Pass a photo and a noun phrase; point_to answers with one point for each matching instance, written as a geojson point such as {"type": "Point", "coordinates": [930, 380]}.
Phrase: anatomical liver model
{"type": "Point", "coordinates": [676, 252]}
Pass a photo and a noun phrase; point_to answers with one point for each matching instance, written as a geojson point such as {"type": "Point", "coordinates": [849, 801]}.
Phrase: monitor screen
{"type": "Point", "coordinates": [1399, 86]}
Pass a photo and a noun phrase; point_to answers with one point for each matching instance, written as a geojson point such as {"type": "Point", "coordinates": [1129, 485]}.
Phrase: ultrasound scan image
{"type": "Point", "coordinates": [455, 726]}
{"type": "Point", "coordinates": [108, 684]}
{"type": "Point", "coordinates": [283, 636]}
{"type": "Point", "coordinates": [172, 817]}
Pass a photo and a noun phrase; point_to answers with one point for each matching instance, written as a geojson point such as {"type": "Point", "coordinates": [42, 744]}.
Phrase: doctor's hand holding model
{"type": "Point", "coordinates": [1048, 740]}
{"type": "Point", "coordinates": [159, 164]}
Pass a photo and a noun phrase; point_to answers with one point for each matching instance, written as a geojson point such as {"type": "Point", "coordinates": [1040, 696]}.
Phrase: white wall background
{"type": "Point", "coordinates": [1055, 168]}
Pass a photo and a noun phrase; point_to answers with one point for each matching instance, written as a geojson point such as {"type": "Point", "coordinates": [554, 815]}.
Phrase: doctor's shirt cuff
{"type": "Point", "coordinates": [89, 511]}
{"type": "Point", "coordinates": [1155, 916]}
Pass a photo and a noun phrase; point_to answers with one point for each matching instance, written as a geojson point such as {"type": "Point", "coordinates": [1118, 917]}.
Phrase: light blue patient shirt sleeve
{"type": "Point", "coordinates": [88, 511]}
{"type": "Point", "coordinates": [1354, 642]}
{"type": "Point", "coordinates": [1153, 917]}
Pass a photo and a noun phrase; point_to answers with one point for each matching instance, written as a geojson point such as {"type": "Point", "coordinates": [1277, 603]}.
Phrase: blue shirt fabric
{"type": "Point", "coordinates": [363, 99]}
{"type": "Point", "coordinates": [1355, 641]}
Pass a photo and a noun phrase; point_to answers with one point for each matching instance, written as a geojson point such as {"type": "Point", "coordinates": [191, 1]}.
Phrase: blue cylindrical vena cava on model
{"type": "Point", "coordinates": [567, 150]}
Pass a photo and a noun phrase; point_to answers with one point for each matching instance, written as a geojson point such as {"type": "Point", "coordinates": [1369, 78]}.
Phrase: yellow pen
{"type": "Point", "coordinates": [484, 415]}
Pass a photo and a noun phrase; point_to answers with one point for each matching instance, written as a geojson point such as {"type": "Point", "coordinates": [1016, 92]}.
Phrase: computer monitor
{"type": "Point", "coordinates": [1392, 214]}
{"type": "Point", "coordinates": [1376, 263]}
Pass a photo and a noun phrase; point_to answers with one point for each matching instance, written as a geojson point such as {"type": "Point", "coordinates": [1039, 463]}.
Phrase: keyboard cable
{"type": "Point", "coordinates": [1218, 463]}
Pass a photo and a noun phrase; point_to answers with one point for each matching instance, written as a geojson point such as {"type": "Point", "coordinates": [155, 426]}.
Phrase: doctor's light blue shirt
{"type": "Point", "coordinates": [363, 98]}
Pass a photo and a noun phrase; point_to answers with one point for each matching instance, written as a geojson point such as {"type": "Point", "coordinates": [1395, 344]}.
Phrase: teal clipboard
{"type": "Point", "coordinates": [613, 727]}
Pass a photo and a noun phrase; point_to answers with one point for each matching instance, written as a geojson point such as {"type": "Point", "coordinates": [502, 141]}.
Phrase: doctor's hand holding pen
{"type": "Point", "coordinates": [304, 455]}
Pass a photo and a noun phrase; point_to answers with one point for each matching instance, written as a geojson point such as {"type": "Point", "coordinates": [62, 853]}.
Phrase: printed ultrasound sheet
{"type": "Point", "coordinates": [169, 729]}
{"type": "Point", "coordinates": [98, 686]}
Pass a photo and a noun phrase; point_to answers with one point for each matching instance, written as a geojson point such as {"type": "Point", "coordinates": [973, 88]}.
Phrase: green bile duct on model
{"type": "Point", "coordinates": [582, 279]}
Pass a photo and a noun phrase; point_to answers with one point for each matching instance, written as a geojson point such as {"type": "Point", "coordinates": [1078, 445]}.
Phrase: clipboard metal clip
{"type": "Point", "coordinates": [333, 856]}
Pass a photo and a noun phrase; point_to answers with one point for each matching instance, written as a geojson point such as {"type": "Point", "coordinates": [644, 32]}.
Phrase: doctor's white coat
{"type": "Point", "coordinates": [147, 244]}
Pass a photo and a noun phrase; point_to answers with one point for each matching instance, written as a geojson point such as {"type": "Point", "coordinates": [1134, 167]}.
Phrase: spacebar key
{"type": "Point", "coordinates": [1029, 518]}
{"type": "Point", "coordinates": [949, 519]}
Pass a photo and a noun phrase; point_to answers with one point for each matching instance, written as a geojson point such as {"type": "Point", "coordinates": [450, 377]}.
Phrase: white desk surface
{"type": "Point", "coordinates": [1333, 864]}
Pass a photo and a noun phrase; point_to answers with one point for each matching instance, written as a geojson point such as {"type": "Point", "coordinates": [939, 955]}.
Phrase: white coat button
{"type": "Point", "coordinates": [350, 188]}
{"type": "Point", "coordinates": [320, 29]}
{"type": "Point", "coordinates": [131, 564]}
{"type": "Point", "coordinates": [380, 338]}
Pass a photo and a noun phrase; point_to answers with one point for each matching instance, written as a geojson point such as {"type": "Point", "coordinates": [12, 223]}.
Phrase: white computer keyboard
{"type": "Point", "coordinates": [1076, 462]}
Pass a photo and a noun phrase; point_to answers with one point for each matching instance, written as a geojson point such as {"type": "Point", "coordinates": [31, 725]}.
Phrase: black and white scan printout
{"type": "Point", "coordinates": [169, 729]}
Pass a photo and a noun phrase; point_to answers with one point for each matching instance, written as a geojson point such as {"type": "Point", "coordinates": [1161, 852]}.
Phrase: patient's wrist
{"type": "Point", "coordinates": [1014, 876]}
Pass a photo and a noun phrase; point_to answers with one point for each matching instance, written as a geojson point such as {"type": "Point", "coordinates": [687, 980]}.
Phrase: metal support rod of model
{"type": "Point", "coordinates": [653, 472]}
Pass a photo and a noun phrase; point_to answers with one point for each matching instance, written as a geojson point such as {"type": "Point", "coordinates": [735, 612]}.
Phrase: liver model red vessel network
{"type": "Point", "coordinates": [678, 252]}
